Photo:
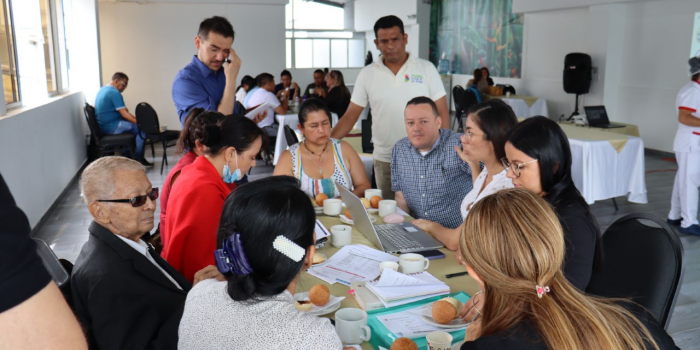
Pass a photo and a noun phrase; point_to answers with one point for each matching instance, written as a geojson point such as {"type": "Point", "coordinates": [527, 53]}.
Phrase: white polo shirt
{"type": "Point", "coordinates": [688, 137]}
{"type": "Point", "coordinates": [388, 94]}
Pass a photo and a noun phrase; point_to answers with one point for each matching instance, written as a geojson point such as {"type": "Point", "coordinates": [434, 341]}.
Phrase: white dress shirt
{"type": "Point", "coordinates": [142, 248]}
{"type": "Point", "coordinates": [500, 182]}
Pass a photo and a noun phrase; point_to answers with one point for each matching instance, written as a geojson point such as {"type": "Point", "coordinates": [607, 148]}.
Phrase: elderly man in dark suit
{"type": "Point", "coordinates": [126, 296]}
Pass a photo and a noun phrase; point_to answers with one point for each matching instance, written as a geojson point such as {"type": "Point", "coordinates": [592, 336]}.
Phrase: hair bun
{"type": "Point", "coordinates": [211, 135]}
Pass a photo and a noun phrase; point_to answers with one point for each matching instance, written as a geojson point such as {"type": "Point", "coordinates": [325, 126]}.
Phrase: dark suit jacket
{"type": "Point", "coordinates": [122, 300]}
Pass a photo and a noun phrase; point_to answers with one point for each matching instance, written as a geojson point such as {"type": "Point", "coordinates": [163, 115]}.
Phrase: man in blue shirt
{"type": "Point", "coordinates": [207, 82]}
{"type": "Point", "coordinates": [428, 177]}
{"type": "Point", "coordinates": [113, 117]}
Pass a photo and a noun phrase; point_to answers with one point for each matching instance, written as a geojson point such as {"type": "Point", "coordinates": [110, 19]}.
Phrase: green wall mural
{"type": "Point", "coordinates": [476, 33]}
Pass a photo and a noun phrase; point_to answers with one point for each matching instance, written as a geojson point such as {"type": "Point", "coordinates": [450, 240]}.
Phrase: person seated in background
{"type": "Point", "coordinates": [487, 125]}
{"type": "Point", "coordinates": [291, 87]}
{"type": "Point", "coordinates": [538, 159]}
{"type": "Point", "coordinates": [319, 83]}
{"type": "Point", "coordinates": [266, 84]}
{"type": "Point", "coordinates": [247, 83]}
{"type": "Point", "coordinates": [512, 245]}
{"type": "Point", "coordinates": [114, 118]}
{"type": "Point", "coordinates": [125, 295]}
{"type": "Point", "coordinates": [427, 175]}
{"type": "Point", "coordinates": [478, 85]}
{"type": "Point", "coordinates": [190, 146]}
{"type": "Point", "coordinates": [265, 241]}
{"type": "Point", "coordinates": [320, 161]}
{"type": "Point", "coordinates": [337, 97]}
{"type": "Point", "coordinates": [194, 206]}
{"type": "Point", "coordinates": [487, 75]}
{"type": "Point", "coordinates": [33, 312]}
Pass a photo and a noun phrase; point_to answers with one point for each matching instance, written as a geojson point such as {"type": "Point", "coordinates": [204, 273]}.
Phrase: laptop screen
{"type": "Point", "coordinates": [596, 115]}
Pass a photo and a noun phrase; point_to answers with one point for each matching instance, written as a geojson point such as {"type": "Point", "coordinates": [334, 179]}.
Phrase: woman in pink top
{"type": "Point", "coordinates": [190, 143]}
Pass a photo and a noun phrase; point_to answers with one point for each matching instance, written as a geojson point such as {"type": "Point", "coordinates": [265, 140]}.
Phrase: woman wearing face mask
{"type": "Point", "coordinates": [320, 161]}
{"type": "Point", "coordinates": [195, 203]}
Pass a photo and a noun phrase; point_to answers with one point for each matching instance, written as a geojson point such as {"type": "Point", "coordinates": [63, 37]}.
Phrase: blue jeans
{"type": "Point", "coordinates": [129, 127]}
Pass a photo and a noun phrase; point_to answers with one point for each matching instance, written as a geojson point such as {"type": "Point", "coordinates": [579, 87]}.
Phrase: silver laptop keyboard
{"type": "Point", "coordinates": [397, 236]}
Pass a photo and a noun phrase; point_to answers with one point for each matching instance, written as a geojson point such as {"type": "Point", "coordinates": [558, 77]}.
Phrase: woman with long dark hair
{"type": "Point", "coordinates": [264, 242]}
{"type": "Point", "coordinates": [338, 96]}
{"type": "Point", "coordinates": [538, 157]}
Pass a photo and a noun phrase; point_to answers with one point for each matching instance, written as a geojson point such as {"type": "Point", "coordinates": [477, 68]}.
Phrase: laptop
{"type": "Point", "coordinates": [391, 238]}
{"type": "Point", "coordinates": [598, 117]}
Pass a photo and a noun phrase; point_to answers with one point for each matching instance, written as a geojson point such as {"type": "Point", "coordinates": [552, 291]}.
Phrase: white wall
{"type": "Point", "coordinates": [153, 41]}
{"type": "Point", "coordinates": [641, 50]}
{"type": "Point", "coordinates": [42, 149]}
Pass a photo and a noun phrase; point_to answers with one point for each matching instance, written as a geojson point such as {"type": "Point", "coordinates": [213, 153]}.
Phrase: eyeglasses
{"type": "Point", "coordinates": [470, 135]}
{"type": "Point", "coordinates": [123, 83]}
{"type": "Point", "coordinates": [137, 201]}
{"type": "Point", "coordinates": [515, 168]}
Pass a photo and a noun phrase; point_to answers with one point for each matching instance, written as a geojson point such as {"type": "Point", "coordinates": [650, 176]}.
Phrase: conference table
{"type": "Point", "coordinates": [524, 106]}
{"type": "Point", "coordinates": [438, 268]}
{"type": "Point", "coordinates": [607, 163]}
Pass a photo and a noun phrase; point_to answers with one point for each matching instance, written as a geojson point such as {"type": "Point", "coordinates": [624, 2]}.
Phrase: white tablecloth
{"type": "Point", "coordinates": [292, 120]}
{"type": "Point", "coordinates": [522, 110]}
{"type": "Point", "coordinates": [600, 172]}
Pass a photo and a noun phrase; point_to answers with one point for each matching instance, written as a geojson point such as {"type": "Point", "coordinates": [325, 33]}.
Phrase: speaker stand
{"type": "Point", "coordinates": [575, 113]}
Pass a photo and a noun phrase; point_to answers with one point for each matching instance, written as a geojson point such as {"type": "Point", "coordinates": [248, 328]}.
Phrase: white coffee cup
{"type": "Point", "coordinates": [373, 192]}
{"type": "Point", "coordinates": [413, 263]}
{"type": "Point", "coordinates": [341, 235]}
{"type": "Point", "coordinates": [507, 93]}
{"type": "Point", "coordinates": [351, 326]}
{"type": "Point", "coordinates": [388, 265]}
{"type": "Point", "coordinates": [332, 207]}
{"type": "Point", "coordinates": [439, 340]}
{"type": "Point", "coordinates": [386, 207]}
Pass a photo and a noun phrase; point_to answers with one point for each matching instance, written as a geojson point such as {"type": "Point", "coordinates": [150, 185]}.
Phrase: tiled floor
{"type": "Point", "coordinates": [66, 232]}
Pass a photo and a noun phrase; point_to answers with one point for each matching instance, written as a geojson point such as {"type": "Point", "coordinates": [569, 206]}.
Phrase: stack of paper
{"type": "Point", "coordinates": [395, 288]}
{"type": "Point", "coordinates": [351, 263]}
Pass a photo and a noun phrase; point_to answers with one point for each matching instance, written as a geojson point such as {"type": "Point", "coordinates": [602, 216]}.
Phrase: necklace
{"type": "Point", "coordinates": [319, 164]}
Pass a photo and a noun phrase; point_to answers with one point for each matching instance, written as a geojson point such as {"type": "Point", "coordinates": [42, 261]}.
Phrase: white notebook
{"type": "Point", "coordinates": [393, 285]}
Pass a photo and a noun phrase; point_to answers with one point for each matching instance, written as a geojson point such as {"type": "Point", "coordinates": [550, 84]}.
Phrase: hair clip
{"type": "Point", "coordinates": [541, 290]}
{"type": "Point", "coordinates": [231, 257]}
{"type": "Point", "coordinates": [285, 246]}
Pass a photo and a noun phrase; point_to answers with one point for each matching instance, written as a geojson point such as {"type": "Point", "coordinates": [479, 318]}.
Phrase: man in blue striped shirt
{"type": "Point", "coordinates": [429, 178]}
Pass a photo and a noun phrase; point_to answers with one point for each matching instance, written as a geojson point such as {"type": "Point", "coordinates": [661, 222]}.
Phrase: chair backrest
{"type": "Point", "coordinates": [458, 98]}
{"type": "Point", "coordinates": [51, 263]}
{"type": "Point", "coordinates": [91, 119]}
{"type": "Point", "coordinates": [147, 119]}
{"type": "Point", "coordinates": [238, 108]}
{"type": "Point", "coordinates": [507, 88]}
{"type": "Point", "coordinates": [290, 135]}
{"type": "Point", "coordinates": [643, 260]}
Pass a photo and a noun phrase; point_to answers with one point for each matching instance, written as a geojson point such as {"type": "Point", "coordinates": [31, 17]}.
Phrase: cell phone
{"type": "Point", "coordinates": [432, 254]}
{"type": "Point", "coordinates": [227, 60]}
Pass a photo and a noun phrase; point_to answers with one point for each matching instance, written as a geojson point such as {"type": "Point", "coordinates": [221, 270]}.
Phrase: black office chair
{"type": "Point", "coordinates": [147, 121]}
{"type": "Point", "coordinates": [59, 269]}
{"type": "Point", "coordinates": [643, 260]}
{"type": "Point", "coordinates": [104, 143]}
{"type": "Point", "coordinates": [290, 135]}
{"type": "Point", "coordinates": [460, 111]}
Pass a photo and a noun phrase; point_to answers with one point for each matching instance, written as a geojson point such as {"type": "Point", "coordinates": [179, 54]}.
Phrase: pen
{"type": "Point", "coordinates": [456, 274]}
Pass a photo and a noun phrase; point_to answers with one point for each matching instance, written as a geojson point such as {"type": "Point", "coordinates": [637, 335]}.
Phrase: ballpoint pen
{"type": "Point", "coordinates": [456, 274]}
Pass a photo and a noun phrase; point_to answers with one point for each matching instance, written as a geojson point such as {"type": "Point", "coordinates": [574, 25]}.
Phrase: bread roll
{"type": "Point", "coordinates": [303, 305]}
{"type": "Point", "coordinates": [365, 201]}
{"type": "Point", "coordinates": [319, 295]}
{"type": "Point", "coordinates": [404, 344]}
{"type": "Point", "coordinates": [374, 201]}
{"type": "Point", "coordinates": [444, 311]}
{"type": "Point", "coordinates": [318, 258]}
{"type": "Point", "coordinates": [320, 198]}
{"type": "Point", "coordinates": [347, 213]}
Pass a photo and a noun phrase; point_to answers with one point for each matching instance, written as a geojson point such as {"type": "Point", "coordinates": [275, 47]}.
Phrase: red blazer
{"type": "Point", "coordinates": [186, 160]}
{"type": "Point", "coordinates": [194, 211]}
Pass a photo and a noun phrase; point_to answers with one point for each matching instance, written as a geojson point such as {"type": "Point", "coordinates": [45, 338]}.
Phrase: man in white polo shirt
{"type": "Point", "coordinates": [684, 200]}
{"type": "Point", "coordinates": [387, 86]}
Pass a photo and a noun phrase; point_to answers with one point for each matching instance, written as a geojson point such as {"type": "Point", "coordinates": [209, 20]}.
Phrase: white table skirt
{"type": "Point", "coordinates": [292, 120]}
{"type": "Point", "coordinates": [523, 111]}
{"type": "Point", "coordinates": [600, 172]}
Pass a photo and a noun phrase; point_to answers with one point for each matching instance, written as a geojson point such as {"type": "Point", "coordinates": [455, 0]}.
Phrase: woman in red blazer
{"type": "Point", "coordinates": [196, 201]}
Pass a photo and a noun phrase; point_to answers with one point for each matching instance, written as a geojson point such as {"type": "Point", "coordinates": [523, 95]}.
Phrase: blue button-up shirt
{"type": "Point", "coordinates": [198, 86]}
{"type": "Point", "coordinates": [434, 184]}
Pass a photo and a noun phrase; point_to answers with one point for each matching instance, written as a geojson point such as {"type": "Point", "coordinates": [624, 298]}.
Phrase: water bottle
{"type": "Point", "coordinates": [296, 103]}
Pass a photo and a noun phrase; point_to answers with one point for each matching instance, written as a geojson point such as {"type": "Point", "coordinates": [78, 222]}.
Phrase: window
{"type": "Point", "coordinates": [7, 56]}
{"type": "Point", "coordinates": [49, 59]}
{"type": "Point", "coordinates": [316, 39]}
